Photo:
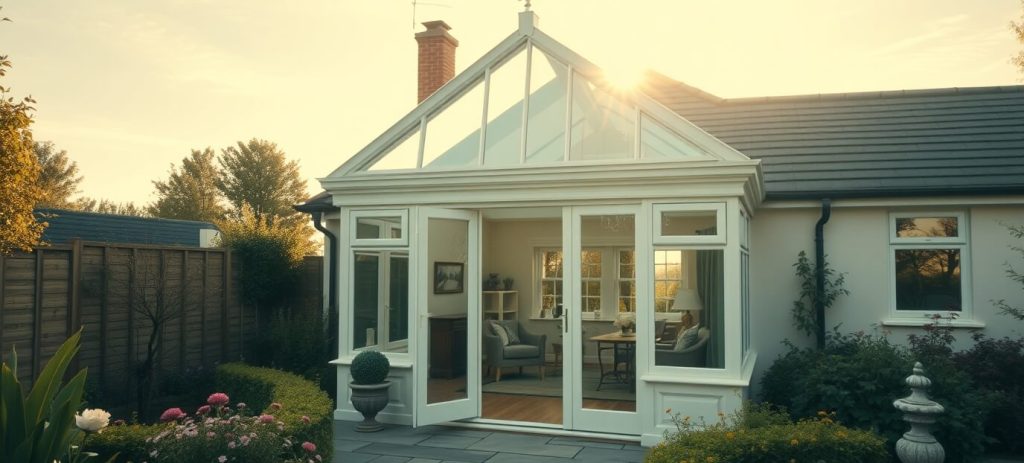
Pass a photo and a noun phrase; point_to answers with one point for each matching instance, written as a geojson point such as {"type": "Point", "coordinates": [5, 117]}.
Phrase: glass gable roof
{"type": "Point", "coordinates": [567, 118]}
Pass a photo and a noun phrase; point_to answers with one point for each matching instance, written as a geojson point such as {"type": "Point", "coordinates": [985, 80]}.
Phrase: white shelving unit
{"type": "Point", "coordinates": [501, 305]}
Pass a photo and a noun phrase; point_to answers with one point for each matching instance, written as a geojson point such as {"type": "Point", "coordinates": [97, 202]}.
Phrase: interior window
{"type": "Point", "coordinates": [690, 283]}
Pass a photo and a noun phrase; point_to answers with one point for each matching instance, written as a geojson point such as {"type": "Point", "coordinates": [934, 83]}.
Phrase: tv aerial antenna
{"type": "Point", "coordinates": [416, 3]}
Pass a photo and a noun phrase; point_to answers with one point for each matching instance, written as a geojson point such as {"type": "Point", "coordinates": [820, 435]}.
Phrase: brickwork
{"type": "Point", "coordinates": [436, 58]}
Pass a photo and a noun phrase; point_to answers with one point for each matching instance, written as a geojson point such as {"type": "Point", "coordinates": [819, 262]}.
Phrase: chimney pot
{"type": "Point", "coordinates": [436, 58]}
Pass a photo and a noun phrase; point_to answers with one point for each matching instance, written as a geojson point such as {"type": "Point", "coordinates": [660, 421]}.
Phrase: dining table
{"type": "Point", "coordinates": [623, 347]}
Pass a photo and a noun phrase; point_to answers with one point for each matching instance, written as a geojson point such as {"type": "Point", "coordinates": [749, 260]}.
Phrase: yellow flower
{"type": "Point", "coordinates": [710, 459]}
{"type": "Point", "coordinates": [822, 413]}
{"type": "Point", "coordinates": [794, 442]}
{"type": "Point", "coordinates": [730, 435]}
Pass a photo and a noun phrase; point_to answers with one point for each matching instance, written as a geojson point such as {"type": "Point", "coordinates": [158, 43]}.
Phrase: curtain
{"type": "Point", "coordinates": [710, 273]}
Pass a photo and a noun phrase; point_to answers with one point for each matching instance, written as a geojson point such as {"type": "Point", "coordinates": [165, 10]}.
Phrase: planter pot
{"type": "Point", "coordinates": [369, 399]}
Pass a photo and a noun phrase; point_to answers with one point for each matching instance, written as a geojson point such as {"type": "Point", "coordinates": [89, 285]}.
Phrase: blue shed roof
{"type": "Point", "coordinates": [897, 143]}
{"type": "Point", "coordinates": [65, 226]}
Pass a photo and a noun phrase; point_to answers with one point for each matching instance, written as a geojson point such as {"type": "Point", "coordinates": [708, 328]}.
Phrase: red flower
{"type": "Point", "coordinates": [218, 399]}
{"type": "Point", "coordinates": [309, 446]}
{"type": "Point", "coordinates": [203, 410]}
{"type": "Point", "coordinates": [171, 414]}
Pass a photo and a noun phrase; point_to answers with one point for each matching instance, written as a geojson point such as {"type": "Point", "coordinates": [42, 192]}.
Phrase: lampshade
{"type": "Point", "coordinates": [687, 299]}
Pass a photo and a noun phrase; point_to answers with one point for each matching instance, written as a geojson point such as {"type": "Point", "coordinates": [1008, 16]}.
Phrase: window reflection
{"type": "Point", "coordinates": [928, 279]}
{"type": "Point", "coordinates": [380, 300]}
{"type": "Point", "coordinates": [926, 227]}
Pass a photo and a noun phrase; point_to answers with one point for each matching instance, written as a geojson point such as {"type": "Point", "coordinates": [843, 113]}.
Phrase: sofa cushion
{"type": "Point", "coordinates": [687, 338]}
{"type": "Point", "coordinates": [521, 351]}
{"type": "Point", "coordinates": [511, 329]}
{"type": "Point", "coordinates": [500, 332]}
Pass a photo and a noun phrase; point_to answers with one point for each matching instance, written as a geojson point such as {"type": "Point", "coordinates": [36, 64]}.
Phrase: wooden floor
{"type": "Point", "coordinates": [537, 409]}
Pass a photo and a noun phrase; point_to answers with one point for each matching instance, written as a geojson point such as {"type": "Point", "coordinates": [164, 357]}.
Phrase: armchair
{"type": "Point", "coordinates": [530, 351]}
{"type": "Point", "coordinates": [692, 356]}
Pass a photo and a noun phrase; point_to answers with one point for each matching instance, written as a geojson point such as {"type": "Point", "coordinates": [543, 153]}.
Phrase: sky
{"type": "Point", "coordinates": [129, 88]}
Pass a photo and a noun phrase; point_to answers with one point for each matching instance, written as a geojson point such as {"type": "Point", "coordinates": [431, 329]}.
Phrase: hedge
{"type": "Point", "coordinates": [258, 388]}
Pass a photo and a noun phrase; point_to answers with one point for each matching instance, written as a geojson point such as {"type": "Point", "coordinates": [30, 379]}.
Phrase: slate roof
{"type": "Point", "coordinates": [955, 141]}
{"type": "Point", "coordinates": [65, 226]}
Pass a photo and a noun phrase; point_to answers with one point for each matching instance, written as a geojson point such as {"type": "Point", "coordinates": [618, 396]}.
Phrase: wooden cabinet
{"type": "Point", "coordinates": [501, 305]}
{"type": "Point", "coordinates": [447, 346]}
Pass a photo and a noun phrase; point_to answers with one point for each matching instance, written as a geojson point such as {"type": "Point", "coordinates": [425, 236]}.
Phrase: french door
{"type": "Point", "coordinates": [447, 250]}
{"type": "Point", "coordinates": [601, 268]}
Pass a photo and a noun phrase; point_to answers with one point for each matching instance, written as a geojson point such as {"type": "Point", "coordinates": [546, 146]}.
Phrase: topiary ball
{"type": "Point", "coordinates": [370, 367]}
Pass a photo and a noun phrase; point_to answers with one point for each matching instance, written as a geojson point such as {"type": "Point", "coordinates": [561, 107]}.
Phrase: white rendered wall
{"type": "Point", "coordinates": [857, 244]}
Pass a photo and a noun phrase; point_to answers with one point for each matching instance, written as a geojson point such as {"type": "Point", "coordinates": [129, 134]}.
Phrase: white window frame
{"type": "Point", "coordinates": [961, 242]}
{"type": "Point", "coordinates": [683, 276]}
{"type": "Point", "coordinates": [382, 330]}
{"type": "Point", "coordinates": [600, 280]}
{"type": "Point", "coordinates": [719, 209]}
{"type": "Point", "coordinates": [538, 302]}
{"type": "Point", "coordinates": [402, 214]}
{"type": "Point", "coordinates": [619, 279]}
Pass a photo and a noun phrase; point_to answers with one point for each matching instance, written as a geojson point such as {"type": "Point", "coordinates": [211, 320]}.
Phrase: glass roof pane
{"type": "Point", "coordinates": [658, 142]}
{"type": "Point", "coordinates": [545, 129]}
{"type": "Point", "coordinates": [602, 125]}
{"type": "Point", "coordinates": [505, 112]}
{"type": "Point", "coordinates": [402, 156]}
{"type": "Point", "coordinates": [453, 135]}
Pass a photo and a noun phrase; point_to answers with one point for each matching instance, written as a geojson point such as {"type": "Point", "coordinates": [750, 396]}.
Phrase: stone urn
{"type": "Point", "coordinates": [369, 399]}
{"type": "Point", "coordinates": [369, 387]}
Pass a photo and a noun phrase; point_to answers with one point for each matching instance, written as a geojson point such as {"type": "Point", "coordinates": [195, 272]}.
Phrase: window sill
{"type": "Point", "coordinates": [922, 321]}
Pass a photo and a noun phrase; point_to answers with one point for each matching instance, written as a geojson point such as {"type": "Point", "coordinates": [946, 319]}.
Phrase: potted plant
{"type": "Point", "coordinates": [625, 323]}
{"type": "Point", "coordinates": [369, 387]}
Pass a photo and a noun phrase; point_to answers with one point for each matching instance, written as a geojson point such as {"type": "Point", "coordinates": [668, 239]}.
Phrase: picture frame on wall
{"type": "Point", "coordinates": [449, 277]}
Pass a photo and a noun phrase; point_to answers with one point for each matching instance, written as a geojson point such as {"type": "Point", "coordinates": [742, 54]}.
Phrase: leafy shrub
{"type": "Point", "coordinates": [858, 376]}
{"type": "Point", "coordinates": [299, 345]}
{"type": "Point", "coordinates": [39, 427]}
{"type": "Point", "coordinates": [261, 389]}
{"type": "Point", "coordinates": [370, 367]}
{"type": "Point", "coordinates": [760, 435]}
{"type": "Point", "coordinates": [996, 366]}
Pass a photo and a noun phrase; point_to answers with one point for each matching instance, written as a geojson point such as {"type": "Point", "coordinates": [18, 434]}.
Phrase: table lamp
{"type": "Point", "coordinates": [687, 300]}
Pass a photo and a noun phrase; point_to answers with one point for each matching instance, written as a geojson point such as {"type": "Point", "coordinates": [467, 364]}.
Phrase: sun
{"type": "Point", "coordinates": [625, 77]}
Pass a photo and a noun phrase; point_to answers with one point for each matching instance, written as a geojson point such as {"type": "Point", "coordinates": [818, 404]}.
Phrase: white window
{"type": "Point", "coordinates": [626, 274]}
{"type": "Point", "coordinates": [608, 281]}
{"type": "Point", "coordinates": [669, 273]}
{"type": "Point", "coordinates": [929, 261]}
{"type": "Point", "coordinates": [380, 228]}
{"type": "Point", "coordinates": [550, 279]}
{"type": "Point", "coordinates": [700, 223]}
{"type": "Point", "coordinates": [590, 273]}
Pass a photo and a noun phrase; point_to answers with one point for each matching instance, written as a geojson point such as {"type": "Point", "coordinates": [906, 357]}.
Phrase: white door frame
{"type": "Point", "coordinates": [469, 407]}
{"type": "Point", "coordinates": [574, 416]}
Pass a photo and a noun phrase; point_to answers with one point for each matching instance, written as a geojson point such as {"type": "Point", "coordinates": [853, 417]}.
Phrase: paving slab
{"type": "Point", "coordinates": [392, 434]}
{"type": "Point", "coordinates": [449, 441]}
{"type": "Point", "coordinates": [390, 459]}
{"type": "Point", "coordinates": [516, 458]}
{"type": "Point", "coordinates": [435, 453]}
{"type": "Point", "coordinates": [346, 445]}
{"type": "Point", "coordinates": [353, 457]}
{"type": "Point", "coordinates": [600, 455]}
{"type": "Point", "coordinates": [525, 445]}
{"type": "Point", "coordinates": [605, 444]}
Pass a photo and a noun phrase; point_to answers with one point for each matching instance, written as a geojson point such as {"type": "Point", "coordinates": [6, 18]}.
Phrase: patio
{"type": "Point", "coordinates": [434, 444]}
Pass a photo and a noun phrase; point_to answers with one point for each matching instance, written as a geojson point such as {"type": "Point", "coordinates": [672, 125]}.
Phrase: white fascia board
{"type": "Point", "coordinates": [891, 202]}
{"type": "Point", "coordinates": [437, 100]}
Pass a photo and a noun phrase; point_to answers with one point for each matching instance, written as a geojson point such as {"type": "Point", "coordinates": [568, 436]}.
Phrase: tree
{"type": "Point", "coordinates": [1018, 29]}
{"type": "Point", "coordinates": [58, 177]}
{"type": "Point", "coordinates": [19, 171]}
{"type": "Point", "coordinates": [258, 175]}
{"type": "Point", "coordinates": [106, 206]}
{"type": "Point", "coordinates": [1017, 231]}
{"type": "Point", "coordinates": [190, 193]}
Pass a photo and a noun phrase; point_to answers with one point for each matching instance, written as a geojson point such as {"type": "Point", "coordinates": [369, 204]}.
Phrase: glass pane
{"type": "Point", "coordinates": [928, 280]}
{"type": "Point", "coordinates": [453, 135]}
{"type": "Point", "coordinates": [657, 142]}
{"type": "Point", "coordinates": [688, 223]}
{"type": "Point", "coordinates": [608, 363]}
{"type": "Point", "coordinates": [927, 227]}
{"type": "Point", "coordinates": [545, 136]}
{"type": "Point", "coordinates": [365, 300]}
{"type": "Point", "coordinates": [693, 331]}
{"type": "Point", "coordinates": [402, 156]}
{"type": "Point", "coordinates": [377, 228]}
{"type": "Point", "coordinates": [398, 302]}
{"type": "Point", "coordinates": [602, 125]}
{"type": "Point", "coordinates": [505, 112]}
{"type": "Point", "coordinates": [448, 305]}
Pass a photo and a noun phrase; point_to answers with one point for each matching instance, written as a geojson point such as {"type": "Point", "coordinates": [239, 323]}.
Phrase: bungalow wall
{"type": "Point", "coordinates": [857, 243]}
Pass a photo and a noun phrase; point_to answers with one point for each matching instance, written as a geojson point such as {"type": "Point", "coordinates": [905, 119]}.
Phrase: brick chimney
{"type": "Point", "coordinates": [436, 59]}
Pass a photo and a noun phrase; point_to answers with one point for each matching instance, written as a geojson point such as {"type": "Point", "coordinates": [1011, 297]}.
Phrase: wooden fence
{"type": "Point", "coordinates": [108, 290]}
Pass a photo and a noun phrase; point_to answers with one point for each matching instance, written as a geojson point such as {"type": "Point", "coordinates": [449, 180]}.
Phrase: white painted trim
{"type": "Point", "coordinates": [940, 201]}
{"type": "Point", "coordinates": [537, 428]}
{"type": "Point", "coordinates": [922, 321]}
{"type": "Point", "coordinates": [963, 243]}
{"type": "Point", "coordinates": [355, 215]}
{"type": "Point", "coordinates": [721, 227]}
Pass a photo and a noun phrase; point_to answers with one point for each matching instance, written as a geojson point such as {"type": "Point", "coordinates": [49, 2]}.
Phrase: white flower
{"type": "Point", "coordinates": [92, 420]}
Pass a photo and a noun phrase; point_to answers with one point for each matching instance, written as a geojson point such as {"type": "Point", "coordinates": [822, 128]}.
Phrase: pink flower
{"type": "Point", "coordinates": [222, 459]}
{"type": "Point", "coordinates": [231, 445]}
{"type": "Point", "coordinates": [218, 399]}
{"type": "Point", "coordinates": [266, 419]}
{"type": "Point", "coordinates": [275, 406]}
{"type": "Point", "coordinates": [171, 414]}
{"type": "Point", "coordinates": [309, 446]}
{"type": "Point", "coordinates": [244, 440]}
{"type": "Point", "coordinates": [241, 405]}
{"type": "Point", "coordinates": [203, 410]}
{"type": "Point", "coordinates": [305, 419]}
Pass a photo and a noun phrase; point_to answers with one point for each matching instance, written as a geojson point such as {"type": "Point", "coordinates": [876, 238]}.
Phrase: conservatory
{"type": "Point", "coordinates": [532, 247]}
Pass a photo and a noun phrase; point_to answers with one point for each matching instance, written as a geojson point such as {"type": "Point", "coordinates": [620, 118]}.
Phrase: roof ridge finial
{"type": "Point", "coordinates": [526, 5]}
